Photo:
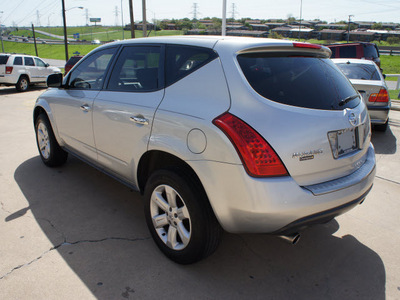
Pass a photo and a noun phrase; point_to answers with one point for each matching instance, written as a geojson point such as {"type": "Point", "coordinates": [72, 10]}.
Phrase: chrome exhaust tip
{"type": "Point", "coordinates": [291, 238]}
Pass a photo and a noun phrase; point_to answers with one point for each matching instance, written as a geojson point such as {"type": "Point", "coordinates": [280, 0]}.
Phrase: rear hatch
{"type": "Point", "coordinates": [304, 107]}
{"type": "Point", "coordinates": [3, 62]}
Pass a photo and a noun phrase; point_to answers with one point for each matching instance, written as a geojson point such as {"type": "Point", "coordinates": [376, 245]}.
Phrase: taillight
{"type": "Point", "coordinates": [258, 157]}
{"type": "Point", "coordinates": [382, 96]}
{"type": "Point", "coordinates": [306, 45]}
{"type": "Point", "coordinates": [9, 70]}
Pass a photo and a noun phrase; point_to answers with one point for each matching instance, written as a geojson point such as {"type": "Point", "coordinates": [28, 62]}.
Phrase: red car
{"type": "Point", "coordinates": [71, 62]}
{"type": "Point", "coordinates": [356, 50]}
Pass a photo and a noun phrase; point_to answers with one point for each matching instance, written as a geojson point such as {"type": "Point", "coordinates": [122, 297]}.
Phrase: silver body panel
{"type": "Point", "coordinates": [180, 123]}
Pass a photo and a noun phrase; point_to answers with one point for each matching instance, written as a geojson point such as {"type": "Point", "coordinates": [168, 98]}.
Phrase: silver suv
{"type": "Point", "coordinates": [240, 134]}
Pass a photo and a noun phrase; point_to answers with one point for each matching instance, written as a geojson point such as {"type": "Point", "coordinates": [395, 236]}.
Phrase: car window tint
{"type": "Point", "coordinates": [137, 69]}
{"type": "Point", "coordinates": [183, 60]}
{"type": "Point", "coordinates": [333, 49]}
{"type": "Point", "coordinates": [308, 82]}
{"type": "Point", "coordinates": [18, 61]}
{"type": "Point", "coordinates": [348, 52]}
{"type": "Point", "coordinates": [370, 51]}
{"type": "Point", "coordinates": [29, 61]}
{"type": "Point", "coordinates": [90, 73]}
{"type": "Point", "coordinates": [39, 62]}
{"type": "Point", "coordinates": [360, 71]}
{"type": "Point", "coordinates": [3, 59]}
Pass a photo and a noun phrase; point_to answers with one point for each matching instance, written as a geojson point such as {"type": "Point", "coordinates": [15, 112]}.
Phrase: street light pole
{"type": "Point", "coordinates": [65, 31]}
{"type": "Point", "coordinates": [348, 28]}
{"type": "Point", "coordinates": [223, 29]}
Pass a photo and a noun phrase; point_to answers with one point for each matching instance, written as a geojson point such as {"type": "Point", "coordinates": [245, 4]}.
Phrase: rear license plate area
{"type": "Point", "coordinates": [343, 141]}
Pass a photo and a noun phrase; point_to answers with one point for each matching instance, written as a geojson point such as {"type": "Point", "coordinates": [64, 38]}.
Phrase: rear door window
{"type": "Point", "coordinates": [183, 60]}
{"type": "Point", "coordinates": [18, 61]}
{"type": "Point", "coordinates": [308, 82]}
{"type": "Point", "coordinates": [348, 52]}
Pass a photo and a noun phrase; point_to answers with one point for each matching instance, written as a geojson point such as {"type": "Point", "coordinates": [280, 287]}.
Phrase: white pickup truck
{"type": "Point", "coordinates": [24, 70]}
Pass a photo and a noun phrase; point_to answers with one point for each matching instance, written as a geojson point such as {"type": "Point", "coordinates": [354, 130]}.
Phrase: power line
{"type": "Point", "coordinates": [195, 10]}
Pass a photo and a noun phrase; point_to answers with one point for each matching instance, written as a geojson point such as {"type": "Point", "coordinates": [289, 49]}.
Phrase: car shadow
{"type": "Point", "coordinates": [97, 225]}
{"type": "Point", "coordinates": [12, 90]}
{"type": "Point", "coordinates": [385, 142]}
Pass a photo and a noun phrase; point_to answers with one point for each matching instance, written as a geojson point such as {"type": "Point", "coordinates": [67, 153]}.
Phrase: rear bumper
{"type": "Point", "coordinates": [8, 79]}
{"type": "Point", "coordinates": [279, 205]}
{"type": "Point", "coordinates": [379, 114]}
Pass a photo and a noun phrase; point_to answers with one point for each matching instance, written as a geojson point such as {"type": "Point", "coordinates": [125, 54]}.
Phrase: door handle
{"type": "Point", "coordinates": [139, 120]}
{"type": "Point", "coordinates": [85, 108]}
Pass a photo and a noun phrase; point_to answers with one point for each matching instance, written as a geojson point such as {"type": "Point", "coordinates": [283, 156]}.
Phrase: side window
{"type": "Point", "coordinates": [29, 61]}
{"type": "Point", "coordinates": [18, 61]}
{"type": "Point", "coordinates": [183, 60]}
{"type": "Point", "coordinates": [348, 52]}
{"type": "Point", "coordinates": [137, 69]}
{"type": "Point", "coordinates": [333, 49]}
{"type": "Point", "coordinates": [90, 73]}
{"type": "Point", "coordinates": [39, 62]}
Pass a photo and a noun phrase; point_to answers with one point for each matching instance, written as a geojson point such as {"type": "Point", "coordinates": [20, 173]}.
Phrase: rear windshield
{"type": "Point", "coordinates": [348, 52]}
{"type": "Point", "coordinates": [308, 82]}
{"type": "Point", "coordinates": [3, 59]}
{"type": "Point", "coordinates": [370, 51]}
{"type": "Point", "coordinates": [359, 71]}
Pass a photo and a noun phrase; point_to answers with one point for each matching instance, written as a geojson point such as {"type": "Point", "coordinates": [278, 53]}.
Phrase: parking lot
{"type": "Point", "coordinates": [75, 233]}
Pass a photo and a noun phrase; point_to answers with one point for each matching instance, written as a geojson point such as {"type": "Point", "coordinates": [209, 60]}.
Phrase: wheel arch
{"type": "Point", "coordinates": [42, 106]}
{"type": "Point", "coordinates": [155, 160]}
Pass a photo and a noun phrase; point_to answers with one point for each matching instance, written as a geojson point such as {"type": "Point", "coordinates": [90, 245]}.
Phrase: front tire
{"type": "Point", "coordinates": [180, 218]}
{"type": "Point", "coordinates": [50, 151]}
{"type": "Point", "coordinates": [22, 84]}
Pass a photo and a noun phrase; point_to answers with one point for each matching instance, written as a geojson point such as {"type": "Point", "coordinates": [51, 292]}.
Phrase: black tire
{"type": "Point", "coordinates": [202, 230]}
{"type": "Point", "coordinates": [22, 84]}
{"type": "Point", "coordinates": [50, 151]}
{"type": "Point", "coordinates": [382, 127]}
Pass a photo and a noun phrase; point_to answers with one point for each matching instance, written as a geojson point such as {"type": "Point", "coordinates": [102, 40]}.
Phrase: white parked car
{"type": "Point", "coordinates": [367, 78]}
{"type": "Point", "coordinates": [23, 70]}
{"type": "Point", "coordinates": [245, 134]}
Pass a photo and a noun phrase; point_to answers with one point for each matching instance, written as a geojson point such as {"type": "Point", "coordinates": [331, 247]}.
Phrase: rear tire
{"type": "Point", "coordinates": [180, 218]}
{"type": "Point", "coordinates": [22, 84]}
{"type": "Point", "coordinates": [50, 151]}
{"type": "Point", "coordinates": [382, 127]}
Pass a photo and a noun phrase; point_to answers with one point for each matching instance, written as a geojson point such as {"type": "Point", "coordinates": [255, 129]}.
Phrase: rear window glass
{"type": "Point", "coordinates": [370, 51]}
{"type": "Point", "coordinates": [333, 49]}
{"type": "Point", "coordinates": [359, 71]}
{"type": "Point", "coordinates": [348, 52]}
{"type": "Point", "coordinates": [298, 81]}
{"type": "Point", "coordinates": [3, 59]}
{"type": "Point", "coordinates": [29, 61]}
{"type": "Point", "coordinates": [183, 60]}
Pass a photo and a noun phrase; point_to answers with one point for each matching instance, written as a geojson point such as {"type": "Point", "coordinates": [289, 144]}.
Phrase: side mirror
{"type": "Point", "coordinates": [384, 76]}
{"type": "Point", "coordinates": [46, 65]}
{"type": "Point", "coordinates": [55, 80]}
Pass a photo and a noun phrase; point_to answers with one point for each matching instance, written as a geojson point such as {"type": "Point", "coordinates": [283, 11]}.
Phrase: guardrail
{"type": "Point", "coordinates": [398, 79]}
{"type": "Point", "coordinates": [390, 52]}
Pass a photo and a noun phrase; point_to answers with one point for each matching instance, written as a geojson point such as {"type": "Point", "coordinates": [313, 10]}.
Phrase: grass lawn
{"type": "Point", "coordinates": [46, 50]}
{"type": "Point", "coordinates": [394, 94]}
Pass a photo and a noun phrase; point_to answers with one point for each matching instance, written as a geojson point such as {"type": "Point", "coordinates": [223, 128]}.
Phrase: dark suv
{"type": "Point", "coordinates": [71, 62]}
{"type": "Point", "coordinates": [356, 50]}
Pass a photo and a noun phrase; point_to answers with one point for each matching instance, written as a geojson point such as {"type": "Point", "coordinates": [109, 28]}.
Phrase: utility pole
{"type": "Point", "coordinates": [144, 23]}
{"type": "Point", "coordinates": [348, 28]}
{"type": "Point", "coordinates": [34, 39]}
{"type": "Point", "coordinates": [131, 17]}
{"type": "Point", "coordinates": [233, 12]}
{"type": "Point", "coordinates": [122, 22]}
{"type": "Point", "coordinates": [87, 16]}
{"type": "Point", "coordinates": [194, 12]}
{"type": "Point", "coordinates": [223, 31]}
{"type": "Point", "coordinates": [301, 12]}
{"type": "Point", "coordinates": [65, 31]}
{"type": "Point", "coordinates": [116, 16]}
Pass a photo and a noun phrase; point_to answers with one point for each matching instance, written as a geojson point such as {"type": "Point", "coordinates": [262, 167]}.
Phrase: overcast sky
{"type": "Point", "coordinates": [48, 12]}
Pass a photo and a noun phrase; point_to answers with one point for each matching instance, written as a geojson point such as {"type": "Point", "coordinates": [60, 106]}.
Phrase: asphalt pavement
{"type": "Point", "coordinates": [74, 233]}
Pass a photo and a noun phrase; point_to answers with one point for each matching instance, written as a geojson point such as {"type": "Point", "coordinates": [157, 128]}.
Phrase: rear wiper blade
{"type": "Point", "coordinates": [347, 99]}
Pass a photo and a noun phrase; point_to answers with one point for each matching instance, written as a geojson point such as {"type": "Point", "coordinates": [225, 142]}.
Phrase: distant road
{"type": "Point", "coordinates": [60, 63]}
